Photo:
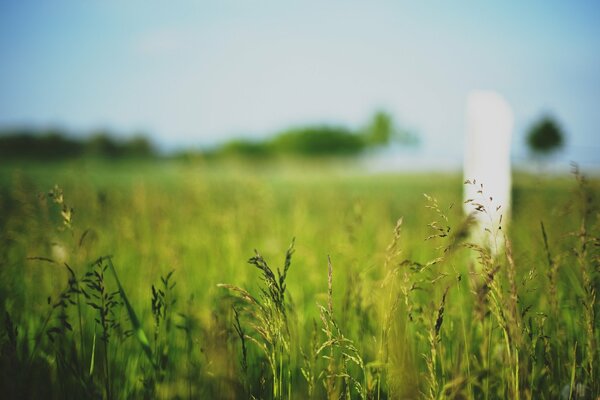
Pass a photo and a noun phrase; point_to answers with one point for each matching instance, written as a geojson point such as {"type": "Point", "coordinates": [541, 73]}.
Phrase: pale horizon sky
{"type": "Point", "coordinates": [199, 73]}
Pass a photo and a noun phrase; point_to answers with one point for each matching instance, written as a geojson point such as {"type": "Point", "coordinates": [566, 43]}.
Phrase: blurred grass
{"type": "Point", "coordinates": [204, 221]}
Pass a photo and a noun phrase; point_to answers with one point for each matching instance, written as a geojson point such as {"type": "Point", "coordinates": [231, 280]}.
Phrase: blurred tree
{"type": "Point", "coordinates": [318, 141]}
{"type": "Point", "coordinates": [55, 144]}
{"type": "Point", "coordinates": [101, 144]}
{"type": "Point", "coordinates": [43, 144]}
{"type": "Point", "coordinates": [244, 148]}
{"type": "Point", "coordinates": [545, 137]}
{"type": "Point", "coordinates": [381, 131]}
{"type": "Point", "coordinates": [139, 146]}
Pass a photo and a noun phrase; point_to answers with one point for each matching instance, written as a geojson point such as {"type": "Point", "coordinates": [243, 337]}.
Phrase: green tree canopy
{"type": "Point", "coordinates": [381, 131]}
{"type": "Point", "coordinates": [545, 137]}
{"type": "Point", "coordinates": [318, 141]}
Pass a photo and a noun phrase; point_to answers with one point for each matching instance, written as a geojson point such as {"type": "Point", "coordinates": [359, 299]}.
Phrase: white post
{"type": "Point", "coordinates": [487, 164]}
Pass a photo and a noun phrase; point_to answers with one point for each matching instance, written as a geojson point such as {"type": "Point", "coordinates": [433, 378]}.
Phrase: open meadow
{"type": "Point", "coordinates": [198, 280]}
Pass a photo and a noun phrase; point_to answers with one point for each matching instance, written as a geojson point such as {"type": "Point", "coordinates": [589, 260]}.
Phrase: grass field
{"type": "Point", "coordinates": [361, 286]}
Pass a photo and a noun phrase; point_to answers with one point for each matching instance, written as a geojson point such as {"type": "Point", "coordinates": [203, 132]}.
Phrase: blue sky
{"type": "Point", "coordinates": [192, 73]}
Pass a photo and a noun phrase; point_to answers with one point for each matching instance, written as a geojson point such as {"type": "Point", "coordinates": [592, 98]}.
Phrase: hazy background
{"type": "Point", "coordinates": [199, 73]}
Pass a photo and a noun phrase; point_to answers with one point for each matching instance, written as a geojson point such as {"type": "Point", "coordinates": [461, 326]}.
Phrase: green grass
{"type": "Point", "coordinates": [363, 307]}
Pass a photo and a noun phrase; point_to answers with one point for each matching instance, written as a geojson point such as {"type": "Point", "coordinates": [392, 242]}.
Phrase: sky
{"type": "Point", "coordinates": [198, 73]}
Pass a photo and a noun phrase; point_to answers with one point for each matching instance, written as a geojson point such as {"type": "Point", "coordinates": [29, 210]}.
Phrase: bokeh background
{"type": "Point", "coordinates": [191, 76]}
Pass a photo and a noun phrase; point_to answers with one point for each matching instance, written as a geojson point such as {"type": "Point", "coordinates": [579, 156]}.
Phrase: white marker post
{"type": "Point", "coordinates": [487, 164]}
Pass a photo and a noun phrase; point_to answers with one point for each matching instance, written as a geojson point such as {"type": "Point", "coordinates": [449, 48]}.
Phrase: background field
{"type": "Point", "coordinates": [408, 317]}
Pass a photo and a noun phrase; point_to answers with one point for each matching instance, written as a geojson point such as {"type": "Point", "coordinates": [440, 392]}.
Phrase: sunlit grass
{"type": "Point", "coordinates": [365, 308]}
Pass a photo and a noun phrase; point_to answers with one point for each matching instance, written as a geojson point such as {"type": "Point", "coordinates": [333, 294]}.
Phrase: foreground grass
{"type": "Point", "coordinates": [360, 306]}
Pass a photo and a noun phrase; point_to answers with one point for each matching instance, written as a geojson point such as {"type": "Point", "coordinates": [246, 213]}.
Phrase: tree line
{"type": "Point", "coordinates": [53, 144]}
{"type": "Point", "coordinates": [322, 140]}
{"type": "Point", "coordinates": [543, 138]}
{"type": "Point", "coordinates": [305, 141]}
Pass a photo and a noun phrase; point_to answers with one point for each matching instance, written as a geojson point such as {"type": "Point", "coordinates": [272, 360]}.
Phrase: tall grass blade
{"type": "Point", "coordinates": [93, 359]}
{"type": "Point", "coordinates": [138, 332]}
{"type": "Point", "coordinates": [573, 368]}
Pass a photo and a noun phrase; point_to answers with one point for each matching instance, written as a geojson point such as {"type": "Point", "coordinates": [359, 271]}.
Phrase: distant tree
{"type": "Point", "coordinates": [382, 130]}
{"type": "Point", "coordinates": [139, 146]}
{"type": "Point", "coordinates": [318, 141]}
{"type": "Point", "coordinates": [56, 144]}
{"type": "Point", "coordinates": [101, 144]}
{"type": "Point", "coordinates": [244, 148]}
{"type": "Point", "coordinates": [41, 144]}
{"type": "Point", "coordinates": [545, 137]}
